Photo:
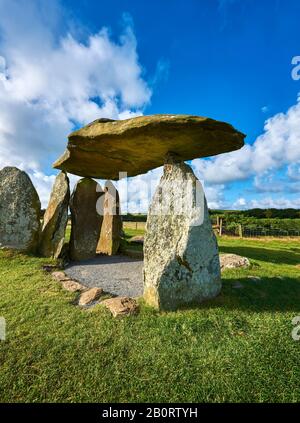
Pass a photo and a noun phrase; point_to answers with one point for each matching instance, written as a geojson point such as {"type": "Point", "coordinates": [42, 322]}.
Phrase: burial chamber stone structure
{"type": "Point", "coordinates": [181, 260]}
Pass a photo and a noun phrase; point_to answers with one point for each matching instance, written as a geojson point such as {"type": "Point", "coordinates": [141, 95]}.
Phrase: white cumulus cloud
{"type": "Point", "coordinates": [50, 82]}
{"type": "Point", "coordinates": [279, 145]}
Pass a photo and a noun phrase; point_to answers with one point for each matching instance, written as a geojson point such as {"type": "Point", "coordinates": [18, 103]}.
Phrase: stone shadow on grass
{"type": "Point", "coordinates": [264, 254]}
{"type": "Point", "coordinates": [256, 294]}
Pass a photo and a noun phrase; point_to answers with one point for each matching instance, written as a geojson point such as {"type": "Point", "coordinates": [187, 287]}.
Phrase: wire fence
{"type": "Point", "coordinates": [238, 231]}
{"type": "Point", "coordinates": [246, 232]}
{"type": "Point", "coordinates": [272, 232]}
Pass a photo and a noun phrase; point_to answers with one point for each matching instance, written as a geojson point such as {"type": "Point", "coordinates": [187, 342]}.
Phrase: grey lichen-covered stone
{"type": "Point", "coordinates": [20, 211]}
{"type": "Point", "coordinates": [181, 260]}
{"type": "Point", "coordinates": [110, 235]}
{"type": "Point", "coordinates": [86, 221]}
{"type": "Point", "coordinates": [55, 218]}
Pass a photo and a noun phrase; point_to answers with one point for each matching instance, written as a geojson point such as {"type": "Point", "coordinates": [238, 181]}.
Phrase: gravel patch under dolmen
{"type": "Point", "coordinates": [117, 275]}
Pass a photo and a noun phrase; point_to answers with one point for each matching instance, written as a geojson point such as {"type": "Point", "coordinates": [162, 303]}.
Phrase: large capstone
{"type": "Point", "coordinates": [86, 219]}
{"type": "Point", "coordinates": [181, 260]}
{"type": "Point", "coordinates": [110, 235]}
{"type": "Point", "coordinates": [55, 218]}
{"type": "Point", "coordinates": [20, 211]}
{"type": "Point", "coordinates": [105, 147]}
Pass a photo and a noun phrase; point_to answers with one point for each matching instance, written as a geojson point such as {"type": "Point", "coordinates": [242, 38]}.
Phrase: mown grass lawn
{"type": "Point", "coordinates": [237, 347]}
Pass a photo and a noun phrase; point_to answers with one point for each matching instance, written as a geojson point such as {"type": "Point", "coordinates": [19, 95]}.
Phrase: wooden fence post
{"type": "Point", "coordinates": [220, 229]}
{"type": "Point", "coordinates": [240, 231]}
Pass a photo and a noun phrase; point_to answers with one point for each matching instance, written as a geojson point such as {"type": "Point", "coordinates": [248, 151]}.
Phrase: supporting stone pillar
{"type": "Point", "coordinates": [86, 220]}
{"type": "Point", "coordinates": [181, 259]}
{"type": "Point", "coordinates": [110, 235]}
{"type": "Point", "coordinates": [55, 218]}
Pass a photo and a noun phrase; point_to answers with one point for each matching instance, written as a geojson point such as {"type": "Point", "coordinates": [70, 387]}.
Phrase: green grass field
{"type": "Point", "coordinates": [235, 348]}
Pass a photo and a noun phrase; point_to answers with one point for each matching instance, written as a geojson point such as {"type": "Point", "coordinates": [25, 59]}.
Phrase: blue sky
{"type": "Point", "coordinates": [226, 59]}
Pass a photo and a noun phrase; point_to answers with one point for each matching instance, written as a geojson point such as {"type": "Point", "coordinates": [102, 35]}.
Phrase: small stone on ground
{"type": "Point", "coordinates": [72, 286]}
{"type": "Point", "coordinates": [60, 276]}
{"type": "Point", "coordinates": [232, 261]}
{"type": "Point", "coordinates": [49, 267]}
{"type": "Point", "coordinates": [121, 306]}
{"type": "Point", "coordinates": [90, 296]}
{"type": "Point", "coordinates": [68, 283]}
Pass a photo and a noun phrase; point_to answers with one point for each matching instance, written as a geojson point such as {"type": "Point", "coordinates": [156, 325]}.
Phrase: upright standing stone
{"type": "Point", "coordinates": [110, 235]}
{"type": "Point", "coordinates": [86, 221]}
{"type": "Point", "coordinates": [20, 211]}
{"type": "Point", "coordinates": [55, 218]}
{"type": "Point", "coordinates": [181, 260]}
